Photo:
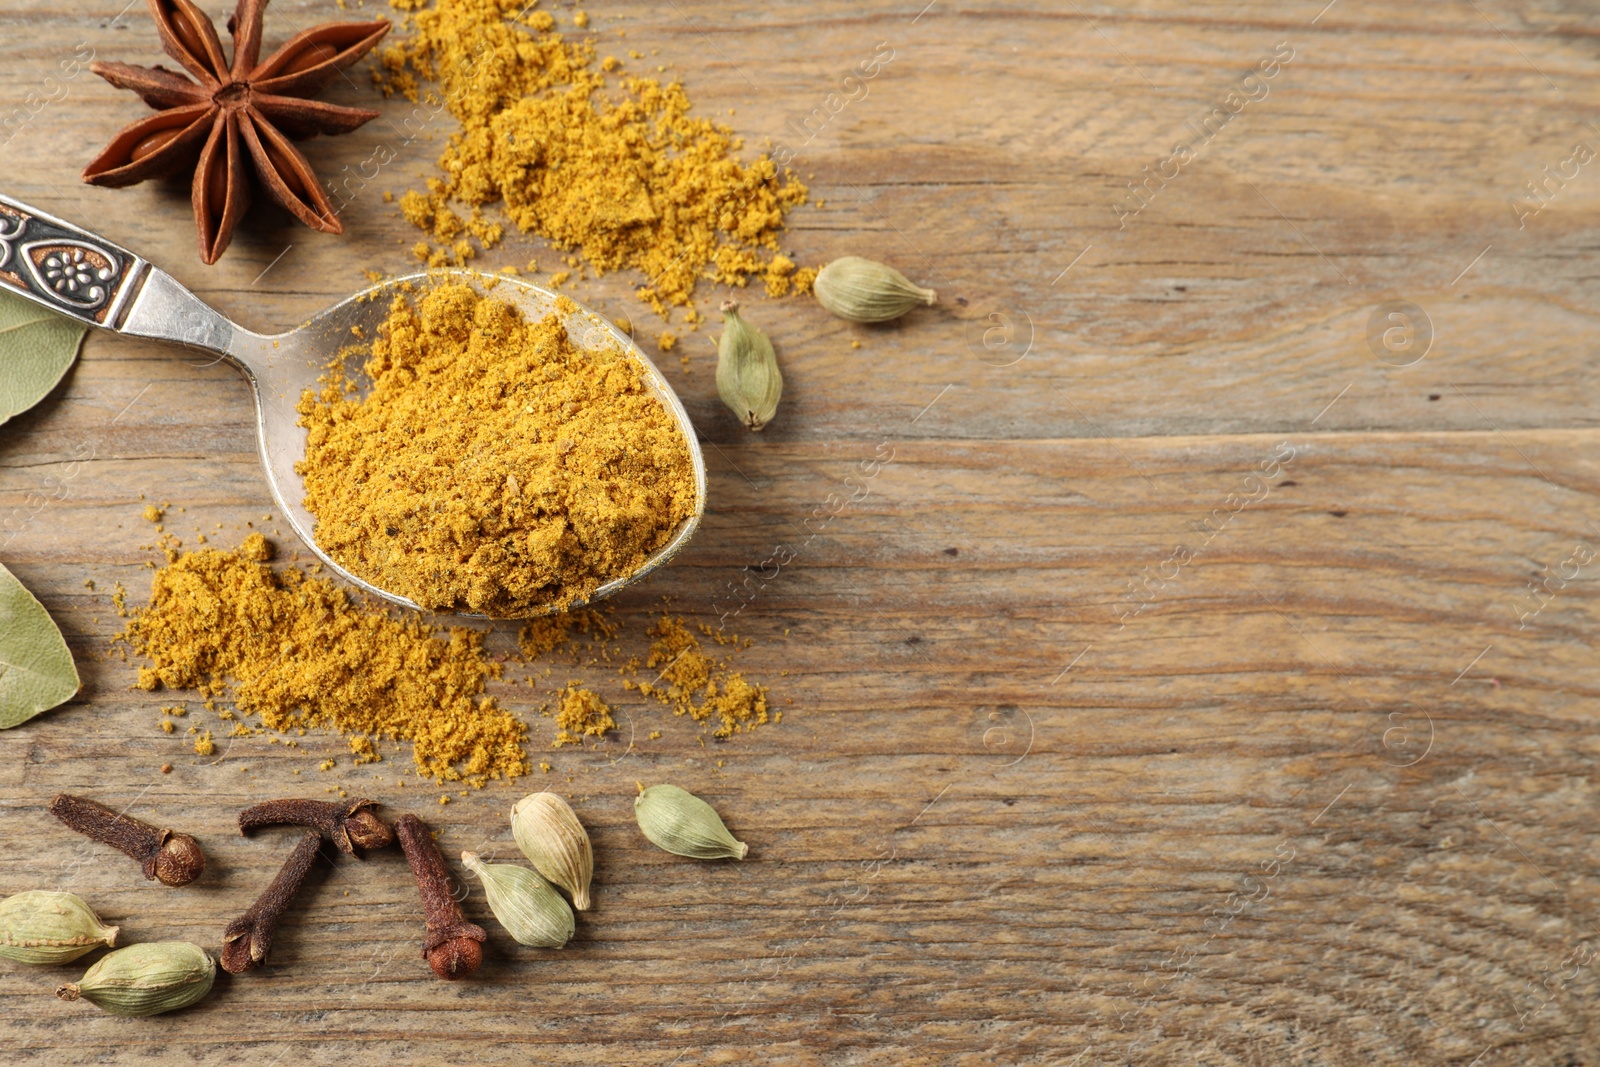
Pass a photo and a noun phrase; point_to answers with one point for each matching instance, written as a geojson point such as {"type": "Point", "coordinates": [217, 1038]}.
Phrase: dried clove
{"type": "Point", "coordinates": [453, 947]}
{"type": "Point", "coordinates": [173, 859]}
{"type": "Point", "coordinates": [350, 826]}
{"type": "Point", "coordinates": [248, 939]}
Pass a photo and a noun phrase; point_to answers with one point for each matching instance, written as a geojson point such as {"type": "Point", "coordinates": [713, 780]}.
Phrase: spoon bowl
{"type": "Point", "coordinates": [78, 274]}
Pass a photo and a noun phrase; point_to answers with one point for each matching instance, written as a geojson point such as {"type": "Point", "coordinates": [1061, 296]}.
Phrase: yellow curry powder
{"type": "Point", "coordinates": [696, 685]}
{"type": "Point", "coordinates": [297, 652]}
{"type": "Point", "coordinates": [493, 466]}
{"type": "Point", "coordinates": [623, 175]}
{"type": "Point", "coordinates": [579, 714]}
{"type": "Point", "coordinates": [547, 633]}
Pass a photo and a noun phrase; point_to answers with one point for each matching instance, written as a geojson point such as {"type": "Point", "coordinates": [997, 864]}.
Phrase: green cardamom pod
{"type": "Point", "coordinates": [863, 291]}
{"type": "Point", "coordinates": [748, 379]}
{"type": "Point", "coordinates": [555, 842]}
{"type": "Point", "coordinates": [680, 822]}
{"type": "Point", "coordinates": [41, 926]}
{"type": "Point", "coordinates": [526, 905]}
{"type": "Point", "coordinates": [146, 979]}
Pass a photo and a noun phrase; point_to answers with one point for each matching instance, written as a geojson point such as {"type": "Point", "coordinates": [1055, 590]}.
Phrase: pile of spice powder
{"type": "Point", "coordinates": [493, 466]}
{"type": "Point", "coordinates": [581, 713]}
{"type": "Point", "coordinates": [297, 652]}
{"type": "Point", "coordinates": [696, 685]}
{"type": "Point", "coordinates": [624, 176]}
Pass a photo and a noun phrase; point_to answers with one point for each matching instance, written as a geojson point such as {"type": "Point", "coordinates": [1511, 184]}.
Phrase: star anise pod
{"type": "Point", "coordinates": [262, 104]}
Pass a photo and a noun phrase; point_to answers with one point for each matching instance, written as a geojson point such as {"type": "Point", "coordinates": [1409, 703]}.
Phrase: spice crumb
{"type": "Point", "coordinates": [547, 633]}
{"type": "Point", "coordinates": [697, 686]}
{"type": "Point", "coordinates": [582, 714]}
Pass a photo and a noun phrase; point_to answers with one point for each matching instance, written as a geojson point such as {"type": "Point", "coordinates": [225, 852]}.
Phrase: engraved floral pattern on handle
{"type": "Point", "coordinates": [56, 264]}
{"type": "Point", "coordinates": [78, 273]}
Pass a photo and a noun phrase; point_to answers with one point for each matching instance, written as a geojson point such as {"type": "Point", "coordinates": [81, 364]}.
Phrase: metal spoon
{"type": "Point", "coordinates": [85, 277]}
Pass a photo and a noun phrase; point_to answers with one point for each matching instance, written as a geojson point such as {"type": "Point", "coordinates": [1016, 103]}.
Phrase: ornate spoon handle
{"type": "Point", "coordinates": [83, 276]}
{"type": "Point", "coordinates": [68, 270]}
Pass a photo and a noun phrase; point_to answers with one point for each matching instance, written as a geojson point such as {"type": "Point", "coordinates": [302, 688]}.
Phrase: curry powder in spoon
{"type": "Point", "coordinates": [493, 466]}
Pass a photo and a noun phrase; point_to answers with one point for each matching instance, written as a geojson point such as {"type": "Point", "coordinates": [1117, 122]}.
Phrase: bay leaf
{"type": "Point", "coordinates": [36, 348]}
{"type": "Point", "coordinates": [36, 668]}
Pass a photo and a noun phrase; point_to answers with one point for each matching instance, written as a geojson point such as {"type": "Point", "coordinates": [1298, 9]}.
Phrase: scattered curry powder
{"type": "Point", "coordinates": [697, 686]}
{"type": "Point", "coordinates": [581, 714]}
{"type": "Point", "coordinates": [494, 466]}
{"type": "Point", "coordinates": [781, 276]}
{"type": "Point", "coordinates": [623, 174]}
{"type": "Point", "coordinates": [298, 652]}
{"type": "Point", "coordinates": [547, 633]}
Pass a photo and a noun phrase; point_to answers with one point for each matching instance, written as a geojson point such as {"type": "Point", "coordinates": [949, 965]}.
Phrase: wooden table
{"type": "Point", "coordinates": [1206, 678]}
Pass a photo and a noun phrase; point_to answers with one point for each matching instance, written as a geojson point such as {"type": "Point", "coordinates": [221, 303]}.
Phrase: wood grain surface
{"type": "Point", "coordinates": [1174, 691]}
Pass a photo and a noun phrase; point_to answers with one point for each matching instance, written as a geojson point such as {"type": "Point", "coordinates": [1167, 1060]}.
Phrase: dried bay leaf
{"type": "Point", "coordinates": [36, 348]}
{"type": "Point", "coordinates": [36, 668]}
